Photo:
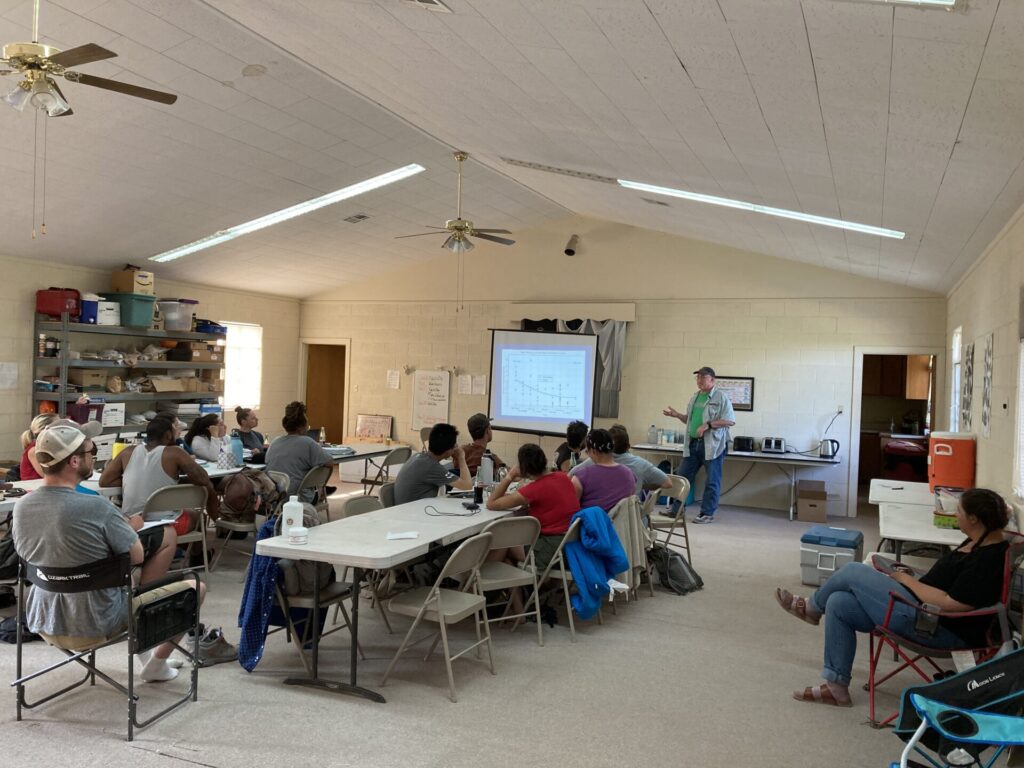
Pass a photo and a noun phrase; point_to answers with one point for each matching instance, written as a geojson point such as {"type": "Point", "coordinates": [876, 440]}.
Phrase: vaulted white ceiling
{"type": "Point", "coordinates": [905, 118]}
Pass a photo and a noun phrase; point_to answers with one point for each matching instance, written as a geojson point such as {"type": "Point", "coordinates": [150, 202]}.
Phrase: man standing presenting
{"type": "Point", "coordinates": [708, 418]}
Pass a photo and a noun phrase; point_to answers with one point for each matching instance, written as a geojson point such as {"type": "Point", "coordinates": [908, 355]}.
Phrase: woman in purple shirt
{"type": "Point", "coordinates": [603, 483]}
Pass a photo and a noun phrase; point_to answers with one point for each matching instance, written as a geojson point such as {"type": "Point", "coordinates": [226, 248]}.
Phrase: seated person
{"type": "Point", "coordinates": [480, 430]}
{"type": "Point", "coordinates": [648, 476]}
{"type": "Point", "coordinates": [295, 453]}
{"type": "Point", "coordinates": [142, 469]}
{"type": "Point", "coordinates": [30, 469]}
{"type": "Point", "coordinates": [206, 436]}
{"type": "Point", "coordinates": [246, 432]}
{"type": "Point", "coordinates": [603, 483]}
{"type": "Point", "coordinates": [54, 525]}
{"type": "Point", "coordinates": [422, 475]}
{"type": "Point", "coordinates": [856, 597]}
{"type": "Point", "coordinates": [570, 453]}
{"type": "Point", "coordinates": [548, 496]}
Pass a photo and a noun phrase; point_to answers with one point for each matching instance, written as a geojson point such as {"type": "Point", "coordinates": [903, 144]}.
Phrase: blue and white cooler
{"type": "Point", "coordinates": [824, 550]}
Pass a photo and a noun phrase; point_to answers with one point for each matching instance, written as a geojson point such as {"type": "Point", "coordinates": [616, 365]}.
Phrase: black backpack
{"type": "Point", "coordinates": [674, 571]}
{"type": "Point", "coordinates": [8, 558]}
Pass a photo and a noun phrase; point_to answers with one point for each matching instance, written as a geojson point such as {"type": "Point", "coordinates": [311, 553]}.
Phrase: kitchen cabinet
{"type": "Point", "coordinates": [894, 372]}
{"type": "Point", "coordinates": [906, 376]}
{"type": "Point", "coordinates": [872, 377]}
{"type": "Point", "coordinates": [918, 377]}
{"type": "Point", "coordinates": [870, 464]}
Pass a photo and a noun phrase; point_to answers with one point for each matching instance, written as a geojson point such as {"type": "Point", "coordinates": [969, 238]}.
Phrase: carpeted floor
{"type": "Point", "coordinates": [702, 680]}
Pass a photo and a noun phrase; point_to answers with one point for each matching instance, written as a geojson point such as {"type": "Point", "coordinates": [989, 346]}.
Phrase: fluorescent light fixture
{"type": "Point", "coordinates": [290, 213]}
{"type": "Point", "coordinates": [947, 4]}
{"type": "Point", "coordinates": [756, 208]}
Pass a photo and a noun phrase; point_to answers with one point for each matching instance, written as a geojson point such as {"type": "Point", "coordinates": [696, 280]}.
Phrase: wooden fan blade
{"type": "Point", "coordinates": [83, 54]}
{"type": "Point", "coordinates": [493, 239]}
{"type": "Point", "coordinates": [125, 88]}
{"type": "Point", "coordinates": [58, 90]}
{"type": "Point", "coordinates": [493, 231]}
{"type": "Point", "coordinates": [421, 234]}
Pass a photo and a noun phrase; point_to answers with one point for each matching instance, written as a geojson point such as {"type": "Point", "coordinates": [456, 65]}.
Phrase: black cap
{"type": "Point", "coordinates": [706, 371]}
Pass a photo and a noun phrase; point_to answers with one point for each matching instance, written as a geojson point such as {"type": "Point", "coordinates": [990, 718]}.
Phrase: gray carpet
{"type": "Point", "coordinates": [702, 680]}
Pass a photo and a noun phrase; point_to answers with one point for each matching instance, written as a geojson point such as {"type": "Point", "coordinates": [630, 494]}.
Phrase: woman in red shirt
{"type": "Point", "coordinates": [30, 469]}
{"type": "Point", "coordinates": [548, 496]}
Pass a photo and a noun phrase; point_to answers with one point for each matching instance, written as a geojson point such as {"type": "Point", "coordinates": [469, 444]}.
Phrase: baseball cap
{"type": "Point", "coordinates": [59, 441]}
{"type": "Point", "coordinates": [478, 422]}
{"type": "Point", "coordinates": [705, 371]}
{"type": "Point", "coordinates": [89, 429]}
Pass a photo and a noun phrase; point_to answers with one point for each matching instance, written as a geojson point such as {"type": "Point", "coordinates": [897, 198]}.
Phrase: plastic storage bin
{"type": "Point", "coordinates": [951, 460]}
{"type": "Point", "coordinates": [136, 308]}
{"type": "Point", "coordinates": [177, 313]}
{"type": "Point", "coordinates": [54, 301]}
{"type": "Point", "coordinates": [824, 550]}
{"type": "Point", "coordinates": [90, 308]}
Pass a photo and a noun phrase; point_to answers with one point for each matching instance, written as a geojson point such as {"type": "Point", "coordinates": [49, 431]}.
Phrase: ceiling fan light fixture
{"type": "Point", "coordinates": [45, 96]}
{"type": "Point", "coordinates": [459, 245]}
{"type": "Point", "coordinates": [19, 95]}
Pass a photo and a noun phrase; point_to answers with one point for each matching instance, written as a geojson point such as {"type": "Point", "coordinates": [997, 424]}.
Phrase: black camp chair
{"type": "Point", "coordinates": [968, 719]}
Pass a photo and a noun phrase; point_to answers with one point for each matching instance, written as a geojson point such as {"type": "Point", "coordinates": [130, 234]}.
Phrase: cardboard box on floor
{"type": "Point", "coordinates": [811, 501]}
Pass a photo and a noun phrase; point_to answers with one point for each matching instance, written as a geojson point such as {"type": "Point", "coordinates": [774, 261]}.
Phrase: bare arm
{"type": "Point", "coordinates": [578, 486]}
{"type": "Point", "coordinates": [465, 481]}
{"type": "Point", "coordinates": [673, 413]}
{"type": "Point", "coordinates": [928, 594]}
{"type": "Point", "coordinates": [114, 470]}
{"type": "Point", "coordinates": [136, 553]}
{"type": "Point", "coordinates": [196, 475]}
{"type": "Point", "coordinates": [501, 499]}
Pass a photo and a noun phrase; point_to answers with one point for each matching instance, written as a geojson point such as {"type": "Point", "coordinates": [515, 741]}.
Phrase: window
{"type": "Point", "coordinates": [243, 372]}
{"type": "Point", "coordinates": [954, 389]}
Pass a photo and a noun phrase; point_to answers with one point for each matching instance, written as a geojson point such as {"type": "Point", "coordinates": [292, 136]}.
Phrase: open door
{"type": "Point", "coordinates": [325, 389]}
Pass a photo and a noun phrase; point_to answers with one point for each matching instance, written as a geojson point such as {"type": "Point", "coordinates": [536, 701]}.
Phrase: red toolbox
{"type": "Point", "coordinates": [54, 301]}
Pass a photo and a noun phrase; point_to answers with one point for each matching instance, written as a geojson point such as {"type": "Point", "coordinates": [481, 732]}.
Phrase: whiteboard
{"type": "Point", "coordinates": [430, 398]}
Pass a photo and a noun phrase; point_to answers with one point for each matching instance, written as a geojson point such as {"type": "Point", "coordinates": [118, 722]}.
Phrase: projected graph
{"type": "Point", "coordinates": [544, 384]}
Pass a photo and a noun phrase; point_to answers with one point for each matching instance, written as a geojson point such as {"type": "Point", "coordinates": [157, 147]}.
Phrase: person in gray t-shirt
{"type": "Point", "coordinates": [296, 453]}
{"type": "Point", "coordinates": [423, 474]}
{"type": "Point", "coordinates": [648, 476]}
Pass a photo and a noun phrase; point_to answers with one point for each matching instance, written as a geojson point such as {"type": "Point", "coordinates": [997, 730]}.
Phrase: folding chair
{"type": "Point", "coordinates": [559, 569]}
{"type": "Point", "coordinates": [359, 505]}
{"type": "Point", "coordinates": [910, 652]}
{"type": "Point", "coordinates": [387, 495]}
{"type": "Point", "coordinates": [674, 527]}
{"type": "Point", "coordinates": [449, 606]}
{"type": "Point", "coordinates": [333, 594]}
{"type": "Point", "coordinates": [424, 437]}
{"type": "Point", "coordinates": [159, 612]}
{"type": "Point", "coordinates": [626, 517]}
{"type": "Point", "coordinates": [313, 486]}
{"type": "Point", "coordinates": [176, 498]}
{"type": "Point", "coordinates": [393, 458]}
{"type": "Point", "coordinates": [505, 533]}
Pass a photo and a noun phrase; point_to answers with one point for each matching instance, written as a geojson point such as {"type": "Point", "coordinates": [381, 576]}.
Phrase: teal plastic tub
{"type": "Point", "coordinates": [136, 308]}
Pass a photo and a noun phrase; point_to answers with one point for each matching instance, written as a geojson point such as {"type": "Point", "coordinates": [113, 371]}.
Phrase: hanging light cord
{"type": "Point", "coordinates": [35, 166]}
{"type": "Point", "coordinates": [42, 221]}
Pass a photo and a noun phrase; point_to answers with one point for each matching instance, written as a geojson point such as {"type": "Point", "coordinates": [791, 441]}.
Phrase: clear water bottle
{"type": "Point", "coordinates": [323, 436]}
{"type": "Point", "coordinates": [291, 515]}
{"type": "Point", "coordinates": [485, 474]}
{"type": "Point", "coordinates": [652, 435]}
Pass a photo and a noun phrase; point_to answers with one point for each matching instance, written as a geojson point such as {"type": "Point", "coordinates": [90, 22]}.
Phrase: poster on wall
{"type": "Point", "coordinates": [430, 398]}
{"type": "Point", "coordinates": [986, 389]}
{"type": "Point", "coordinates": [967, 388]}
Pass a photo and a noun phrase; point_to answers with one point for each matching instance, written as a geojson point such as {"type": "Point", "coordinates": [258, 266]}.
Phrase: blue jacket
{"type": "Point", "coordinates": [257, 603]}
{"type": "Point", "coordinates": [594, 559]}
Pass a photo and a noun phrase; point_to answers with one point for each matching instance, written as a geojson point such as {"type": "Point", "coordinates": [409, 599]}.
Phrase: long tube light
{"type": "Point", "coordinates": [285, 214]}
{"type": "Point", "coordinates": [784, 213]}
{"type": "Point", "coordinates": [925, 3]}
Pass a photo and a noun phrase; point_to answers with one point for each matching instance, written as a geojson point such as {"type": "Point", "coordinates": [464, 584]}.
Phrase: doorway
{"type": "Point", "coordinates": [325, 389]}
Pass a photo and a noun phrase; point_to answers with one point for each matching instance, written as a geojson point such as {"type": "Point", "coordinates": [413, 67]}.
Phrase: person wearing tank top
{"type": "Point", "coordinates": [142, 477]}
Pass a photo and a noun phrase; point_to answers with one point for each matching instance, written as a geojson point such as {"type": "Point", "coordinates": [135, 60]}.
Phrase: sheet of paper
{"type": "Point", "coordinates": [154, 524]}
{"type": "Point", "coordinates": [395, 536]}
{"type": "Point", "coordinates": [394, 380]}
{"type": "Point", "coordinates": [480, 384]}
{"type": "Point", "coordinates": [8, 375]}
{"type": "Point", "coordinates": [465, 384]}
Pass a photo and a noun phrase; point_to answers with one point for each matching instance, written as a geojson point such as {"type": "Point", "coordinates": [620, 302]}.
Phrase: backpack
{"type": "Point", "coordinates": [297, 575]}
{"type": "Point", "coordinates": [8, 558]}
{"type": "Point", "coordinates": [248, 492]}
{"type": "Point", "coordinates": [674, 571]}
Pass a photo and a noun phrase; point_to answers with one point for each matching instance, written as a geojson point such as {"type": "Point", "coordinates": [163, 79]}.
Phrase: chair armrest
{"type": "Point", "coordinates": [179, 576]}
{"type": "Point", "coordinates": [895, 597]}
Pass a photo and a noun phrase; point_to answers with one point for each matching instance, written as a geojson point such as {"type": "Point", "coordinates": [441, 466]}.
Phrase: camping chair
{"type": "Point", "coordinates": [449, 606]}
{"type": "Point", "coordinates": [177, 498]}
{"type": "Point", "coordinates": [387, 495]}
{"type": "Point", "coordinates": [674, 527]}
{"type": "Point", "coordinates": [911, 653]}
{"type": "Point", "coordinates": [393, 458]}
{"type": "Point", "coordinates": [159, 612]}
{"type": "Point", "coordinates": [314, 487]}
{"type": "Point", "coordinates": [957, 719]}
{"type": "Point", "coordinates": [513, 532]}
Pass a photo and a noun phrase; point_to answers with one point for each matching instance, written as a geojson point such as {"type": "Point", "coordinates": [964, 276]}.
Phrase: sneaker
{"type": "Point", "coordinates": [214, 649]}
{"type": "Point", "coordinates": [702, 518]}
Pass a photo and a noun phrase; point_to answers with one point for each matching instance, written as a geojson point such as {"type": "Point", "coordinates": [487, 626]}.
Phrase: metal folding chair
{"type": "Point", "coordinates": [505, 533]}
{"type": "Point", "coordinates": [393, 458]}
{"type": "Point", "coordinates": [177, 498]}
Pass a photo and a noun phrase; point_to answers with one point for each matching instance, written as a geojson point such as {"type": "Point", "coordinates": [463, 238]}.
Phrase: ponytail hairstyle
{"type": "Point", "coordinates": [990, 509]}
{"type": "Point", "coordinates": [295, 417]}
{"type": "Point", "coordinates": [39, 423]}
{"type": "Point", "coordinates": [600, 441]}
{"type": "Point", "coordinates": [241, 414]}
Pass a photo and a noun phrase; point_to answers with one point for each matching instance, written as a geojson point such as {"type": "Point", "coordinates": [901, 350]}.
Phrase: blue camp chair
{"type": "Point", "coordinates": [968, 719]}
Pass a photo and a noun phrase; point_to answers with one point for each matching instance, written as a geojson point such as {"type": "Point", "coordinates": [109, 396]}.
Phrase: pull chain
{"type": "Point", "coordinates": [35, 166]}
{"type": "Point", "coordinates": [42, 222]}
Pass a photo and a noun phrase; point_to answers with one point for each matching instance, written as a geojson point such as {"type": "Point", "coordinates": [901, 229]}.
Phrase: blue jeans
{"type": "Point", "coordinates": [855, 599]}
{"type": "Point", "coordinates": [713, 469]}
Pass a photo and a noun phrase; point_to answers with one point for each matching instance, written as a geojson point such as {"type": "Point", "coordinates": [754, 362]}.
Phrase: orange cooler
{"type": "Point", "coordinates": [951, 460]}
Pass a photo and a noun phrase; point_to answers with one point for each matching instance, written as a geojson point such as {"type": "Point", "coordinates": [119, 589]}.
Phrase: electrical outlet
{"type": "Point", "coordinates": [839, 409]}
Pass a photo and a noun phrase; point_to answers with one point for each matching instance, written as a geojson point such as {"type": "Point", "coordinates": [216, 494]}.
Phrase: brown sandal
{"type": "Point", "coordinates": [795, 605]}
{"type": "Point", "coordinates": [820, 694]}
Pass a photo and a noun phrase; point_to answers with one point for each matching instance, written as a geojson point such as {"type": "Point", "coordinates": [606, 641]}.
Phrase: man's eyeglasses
{"type": "Point", "coordinates": [92, 451]}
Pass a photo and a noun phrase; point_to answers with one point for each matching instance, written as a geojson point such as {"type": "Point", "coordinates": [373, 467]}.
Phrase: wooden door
{"type": "Point", "coordinates": [872, 378]}
{"type": "Point", "coordinates": [325, 389]}
{"type": "Point", "coordinates": [919, 376]}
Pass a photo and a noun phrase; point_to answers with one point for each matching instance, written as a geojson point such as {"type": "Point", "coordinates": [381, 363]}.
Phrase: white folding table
{"type": "Point", "coordinates": [361, 543]}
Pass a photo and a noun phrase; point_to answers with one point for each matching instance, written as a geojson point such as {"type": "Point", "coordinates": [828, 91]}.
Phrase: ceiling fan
{"type": "Point", "coordinates": [459, 229]}
{"type": "Point", "coordinates": [39, 64]}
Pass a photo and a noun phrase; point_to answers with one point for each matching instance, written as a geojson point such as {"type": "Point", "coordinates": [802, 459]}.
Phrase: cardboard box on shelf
{"type": "Point", "coordinates": [811, 501]}
{"type": "Point", "coordinates": [167, 385]}
{"type": "Point", "coordinates": [86, 378]}
{"type": "Point", "coordinates": [113, 415]}
{"type": "Point", "coordinates": [133, 281]}
{"type": "Point", "coordinates": [190, 384]}
{"type": "Point", "coordinates": [108, 313]}
{"type": "Point", "coordinates": [195, 352]}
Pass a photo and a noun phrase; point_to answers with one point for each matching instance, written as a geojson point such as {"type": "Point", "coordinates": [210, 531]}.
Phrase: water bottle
{"type": "Point", "coordinates": [236, 448]}
{"type": "Point", "coordinates": [485, 474]}
{"type": "Point", "coordinates": [652, 435]}
{"type": "Point", "coordinates": [323, 436]}
{"type": "Point", "coordinates": [291, 515]}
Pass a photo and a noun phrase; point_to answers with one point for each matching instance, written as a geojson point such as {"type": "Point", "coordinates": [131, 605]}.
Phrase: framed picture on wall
{"type": "Point", "coordinates": [740, 390]}
{"type": "Point", "coordinates": [372, 426]}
